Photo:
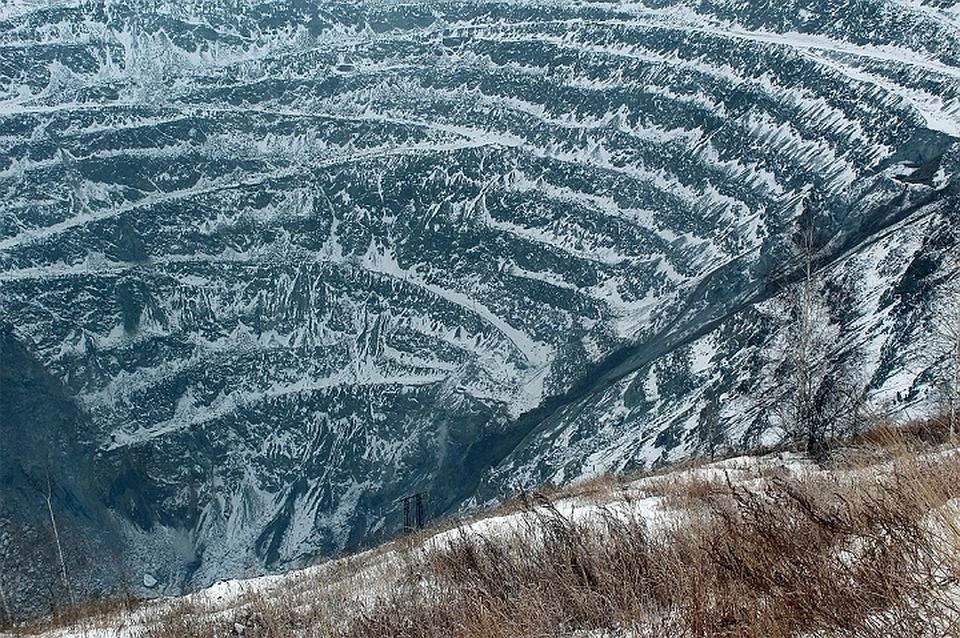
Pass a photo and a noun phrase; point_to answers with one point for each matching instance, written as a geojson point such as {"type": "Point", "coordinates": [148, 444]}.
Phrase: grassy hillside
{"type": "Point", "coordinates": [769, 545]}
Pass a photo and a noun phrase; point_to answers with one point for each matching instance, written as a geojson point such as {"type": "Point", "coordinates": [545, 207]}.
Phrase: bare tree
{"type": "Point", "coordinates": [709, 427]}
{"type": "Point", "coordinates": [56, 538]}
{"type": "Point", "coordinates": [808, 345]}
{"type": "Point", "coordinates": [954, 335]}
{"type": "Point", "coordinates": [7, 616]}
{"type": "Point", "coordinates": [947, 344]}
{"type": "Point", "coordinates": [818, 393]}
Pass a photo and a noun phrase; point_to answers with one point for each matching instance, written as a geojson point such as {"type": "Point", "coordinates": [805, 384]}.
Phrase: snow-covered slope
{"type": "Point", "coordinates": [887, 523]}
{"type": "Point", "coordinates": [355, 584]}
{"type": "Point", "coordinates": [289, 262]}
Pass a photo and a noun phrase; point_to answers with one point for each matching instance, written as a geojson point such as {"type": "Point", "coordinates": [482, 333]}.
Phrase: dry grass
{"type": "Point", "coordinates": [869, 547]}
{"type": "Point", "coordinates": [861, 551]}
{"type": "Point", "coordinates": [802, 556]}
{"type": "Point", "coordinates": [888, 440]}
{"type": "Point", "coordinates": [86, 615]}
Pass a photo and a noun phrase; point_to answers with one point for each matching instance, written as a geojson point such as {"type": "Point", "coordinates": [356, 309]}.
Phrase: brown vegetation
{"type": "Point", "coordinates": [868, 548]}
{"type": "Point", "coordinates": [856, 551]}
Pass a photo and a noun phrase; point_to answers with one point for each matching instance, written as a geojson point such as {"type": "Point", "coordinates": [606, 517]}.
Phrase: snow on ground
{"type": "Point", "coordinates": [365, 577]}
{"type": "Point", "coordinates": [355, 583]}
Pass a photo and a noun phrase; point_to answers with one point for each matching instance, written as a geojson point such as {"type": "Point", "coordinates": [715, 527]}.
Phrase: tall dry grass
{"type": "Point", "coordinates": [867, 550]}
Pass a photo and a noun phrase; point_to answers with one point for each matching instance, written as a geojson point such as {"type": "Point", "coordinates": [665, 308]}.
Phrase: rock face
{"type": "Point", "coordinates": [276, 265]}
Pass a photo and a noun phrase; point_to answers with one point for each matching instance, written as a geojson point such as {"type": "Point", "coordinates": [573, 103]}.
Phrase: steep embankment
{"type": "Point", "coordinates": [749, 545]}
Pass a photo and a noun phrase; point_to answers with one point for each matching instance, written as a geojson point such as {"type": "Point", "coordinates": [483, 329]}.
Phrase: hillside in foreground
{"type": "Point", "coordinates": [769, 545]}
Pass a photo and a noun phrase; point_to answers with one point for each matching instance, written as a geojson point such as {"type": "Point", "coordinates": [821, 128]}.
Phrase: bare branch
{"type": "Point", "coordinates": [56, 537]}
